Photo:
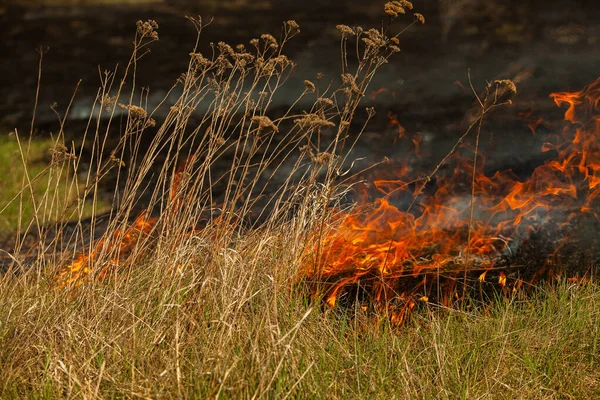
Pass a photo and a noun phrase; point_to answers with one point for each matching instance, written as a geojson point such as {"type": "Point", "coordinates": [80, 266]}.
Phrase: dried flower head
{"type": "Point", "coordinates": [349, 81]}
{"type": "Point", "coordinates": [406, 4]}
{"type": "Point", "coordinates": [420, 18]}
{"type": "Point", "coordinates": [60, 153]}
{"type": "Point", "coordinates": [199, 60]}
{"type": "Point", "coordinates": [117, 161]}
{"type": "Point", "coordinates": [508, 84]}
{"type": "Point", "coordinates": [222, 64]}
{"type": "Point", "coordinates": [265, 124]}
{"type": "Point", "coordinates": [292, 27]}
{"type": "Point", "coordinates": [134, 111]}
{"type": "Point", "coordinates": [147, 29]}
{"type": "Point", "coordinates": [394, 8]}
{"type": "Point", "coordinates": [309, 86]}
{"type": "Point", "coordinates": [224, 48]}
{"type": "Point", "coordinates": [325, 101]}
{"type": "Point", "coordinates": [282, 61]}
{"type": "Point", "coordinates": [150, 122]}
{"type": "Point", "coordinates": [322, 158]}
{"type": "Point", "coordinates": [374, 39]}
{"type": "Point", "coordinates": [269, 40]}
{"type": "Point", "coordinates": [243, 59]}
{"type": "Point", "coordinates": [345, 30]}
{"type": "Point", "coordinates": [108, 102]}
{"type": "Point", "coordinates": [313, 121]}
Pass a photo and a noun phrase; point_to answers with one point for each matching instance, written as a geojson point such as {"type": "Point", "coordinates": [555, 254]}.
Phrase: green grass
{"type": "Point", "coordinates": [52, 187]}
{"type": "Point", "coordinates": [12, 176]}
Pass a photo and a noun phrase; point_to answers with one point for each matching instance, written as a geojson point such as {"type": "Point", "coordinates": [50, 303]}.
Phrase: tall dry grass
{"type": "Point", "coordinates": [204, 303]}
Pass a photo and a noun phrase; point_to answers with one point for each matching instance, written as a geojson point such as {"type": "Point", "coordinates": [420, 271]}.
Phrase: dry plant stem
{"type": "Point", "coordinates": [25, 158]}
{"type": "Point", "coordinates": [474, 171]}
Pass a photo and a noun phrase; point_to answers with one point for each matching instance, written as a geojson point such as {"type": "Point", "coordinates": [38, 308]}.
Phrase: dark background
{"type": "Point", "coordinates": [545, 46]}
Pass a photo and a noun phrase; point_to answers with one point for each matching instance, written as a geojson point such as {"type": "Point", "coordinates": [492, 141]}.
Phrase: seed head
{"type": "Point", "coordinates": [309, 86]}
{"type": "Point", "coordinates": [134, 111]}
{"type": "Point", "coordinates": [224, 48]}
{"type": "Point", "coordinates": [349, 81]}
{"type": "Point", "coordinates": [200, 60]}
{"type": "Point", "coordinates": [265, 124]}
{"type": "Point", "coordinates": [508, 84]}
{"type": "Point", "coordinates": [147, 29]}
{"type": "Point", "coordinates": [269, 40]}
{"type": "Point", "coordinates": [325, 101]}
{"type": "Point", "coordinates": [394, 8]}
{"type": "Point", "coordinates": [313, 121]}
{"type": "Point", "coordinates": [345, 30]}
{"type": "Point", "coordinates": [108, 102]}
{"type": "Point", "coordinates": [292, 27]}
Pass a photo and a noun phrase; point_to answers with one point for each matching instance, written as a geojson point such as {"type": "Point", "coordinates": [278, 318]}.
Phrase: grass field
{"type": "Point", "coordinates": [205, 302]}
{"type": "Point", "coordinates": [231, 328]}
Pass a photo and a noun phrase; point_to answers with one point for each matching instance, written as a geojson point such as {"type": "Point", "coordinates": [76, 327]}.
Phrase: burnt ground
{"type": "Point", "coordinates": [546, 46]}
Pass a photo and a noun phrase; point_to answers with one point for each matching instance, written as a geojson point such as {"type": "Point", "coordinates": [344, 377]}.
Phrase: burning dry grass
{"type": "Point", "coordinates": [230, 327]}
{"type": "Point", "coordinates": [214, 287]}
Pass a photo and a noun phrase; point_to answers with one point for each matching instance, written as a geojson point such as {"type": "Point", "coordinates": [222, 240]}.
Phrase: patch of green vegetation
{"type": "Point", "coordinates": [30, 182]}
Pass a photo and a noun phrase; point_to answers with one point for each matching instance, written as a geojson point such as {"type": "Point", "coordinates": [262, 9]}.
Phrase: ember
{"type": "Point", "coordinates": [384, 256]}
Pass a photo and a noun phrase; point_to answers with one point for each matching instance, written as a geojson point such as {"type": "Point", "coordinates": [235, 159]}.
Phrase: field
{"type": "Point", "coordinates": [210, 270]}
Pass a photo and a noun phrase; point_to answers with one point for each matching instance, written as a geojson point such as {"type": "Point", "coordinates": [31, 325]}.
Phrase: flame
{"type": "Point", "coordinates": [533, 122]}
{"type": "Point", "coordinates": [119, 246]}
{"type": "Point", "coordinates": [398, 257]}
{"type": "Point", "coordinates": [373, 95]}
{"type": "Point", "coordinates": [393, 121]}
{"type": "Point", "coordinates": [378, 92]}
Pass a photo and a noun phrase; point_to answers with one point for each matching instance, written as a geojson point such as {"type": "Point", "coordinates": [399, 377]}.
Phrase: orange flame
{"type": "Point", "coordinates": [396, 257]}
{"type": "Point", "coordinates": [533, 122]}
{"type": "Point", "coordinates": [120, 246]}
{"type": "Point", "coordinates": [393, 121]}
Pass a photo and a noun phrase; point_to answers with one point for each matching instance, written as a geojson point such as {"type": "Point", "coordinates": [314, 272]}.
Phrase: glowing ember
{"type": "Point", "coordinates": [396, 257]}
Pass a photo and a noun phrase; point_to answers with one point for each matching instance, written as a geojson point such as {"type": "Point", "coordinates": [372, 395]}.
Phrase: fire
{"type": "Point", "coordinates": [393, 258]}
{"type": "Point", "coordinates": [532, 121]}
{"type": "Point", "coordinates": [120, 246]}
{"type": "Point", "coordinates": [393, 121]}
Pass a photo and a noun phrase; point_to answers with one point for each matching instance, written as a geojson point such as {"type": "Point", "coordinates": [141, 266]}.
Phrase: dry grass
{"type": "Point", "coordinates": [230, 327]}
{"type": "Point", "coordinates": [206, 305]}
